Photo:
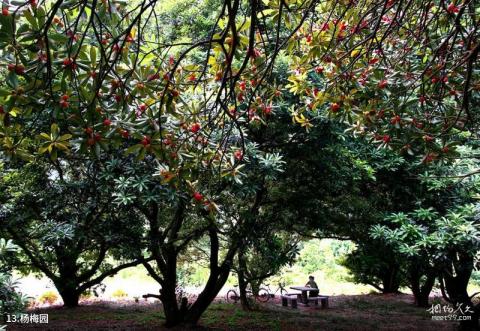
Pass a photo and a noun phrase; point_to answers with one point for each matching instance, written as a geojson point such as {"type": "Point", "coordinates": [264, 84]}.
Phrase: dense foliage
{"type": "Point", "coordinates": [11, 301]}
{"type": "Point", "coordinates": [137, 132]}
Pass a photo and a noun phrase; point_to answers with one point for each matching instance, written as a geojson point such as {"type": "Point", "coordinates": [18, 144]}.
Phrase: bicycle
{"type": "Point", "coordinates": [232, 295]}
{"type": "Point", "coordinates": [99, 289]}
{"type": "Point", "coordinates": [281, 288]}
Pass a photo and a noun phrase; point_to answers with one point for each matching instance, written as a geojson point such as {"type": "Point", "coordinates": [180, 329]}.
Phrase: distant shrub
{"type": "Point", "coordinates": [48, 297]}
{"type": "Point", "coordinates": [86, 295]}
{"type": "Point", "coordinates": [475, 279]}
{"type": "Point", "coordinates": [11, 301]}
{"type": "Point", "coordinates": [119, 294]}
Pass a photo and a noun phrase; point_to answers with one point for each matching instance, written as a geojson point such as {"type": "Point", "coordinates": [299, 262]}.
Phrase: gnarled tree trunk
{"type": "Point", "coordinates": [454, 281]}
{"type": "Point", "coordinates": [421, 291]}
{"type": "Point", "coordinates": [70, 295]}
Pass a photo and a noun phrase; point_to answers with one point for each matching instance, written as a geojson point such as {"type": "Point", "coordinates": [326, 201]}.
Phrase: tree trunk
{"type": "Point", "coordinates": [242, 283]}
{"type": "Point", "coordinates": [168, 295]}
{"type": "Point", "coordinates": [420, 291]}
{"type": "Point", "coordinates": [173, 316]}
{"type": "Point", "coordinates": [214, 285]}
{"type": "Point", "coordinates": [70, 296]}
{"type": "Point", "coordinates": [456, 287]}
{"type": "Point", "coordinates": [390, 281]}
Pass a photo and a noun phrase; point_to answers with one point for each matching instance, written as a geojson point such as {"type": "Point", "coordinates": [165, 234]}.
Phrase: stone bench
{"type": "Point", "coordinates": [292, 298]}
{"type": "Point", "coordinates": [323, 301]}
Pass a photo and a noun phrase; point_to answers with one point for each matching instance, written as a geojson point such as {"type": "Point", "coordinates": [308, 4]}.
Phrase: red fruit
{"type": "Point", "coordinates": [428, 158]}
{"type": "Point", "coordinates": [64, 104]}
{"type": "Point", "coordinates": [175, 93]}
{"type": "Point", "coordinates": [107, 122]}
{"type": "Point", "coordinates": [71, 35]}
{"type": "Point", "coordinates": [242, 85]}
{"type": "Point", "coordinates": [435, 80]}
{"type": "Point", "coordinates": [98, 137]}
{"type": "Point", "coordinates": [67, 62]}
{"type": "Point", "coordinates": [20, 69]}
{"type": "Point", "coordinates": [192, 77]}
{"type": "Point", "coordinates": [254, 53]}
{"type": "Point", "coordinates": [418, 125]}
{"type": "Point", "coordinates": [195, 127]}
{"type": "Point", "coordinates": [11, 67]}
{"type": "Point", "coordinates": [240, 97]}
{"type": "Point", "coordinates": [171, 60]}
{"type": "Point", "coordinates": [91, 141]}
{"type": "Point", "coordinates": [386, 139]}
{"type": "Point", "coordinates": [251, 113]}
{"type": "Point", "coordinates": [33, 3]}
{"type": "Point", "coordinates": [5, 12]}
{"type": "Point", "coordinates": [319, 70]}
{"type": "Point", "coordinates": [382, 84]}
{"type": "Point", "coordinates": [428, 138]}
{"type": "Point", "coordinates": [153, 77]}
{"type": "Point", "coordinates": [422, 99]}
{"type": "Point", "coordinates": [335, 107]}
{"type": "Point", "coordinates": [238, 155]}
{"type": "Point", "coordinates": [88, 131]}
{"type": "Point", "coordinates": [124, 134]}
{"type": "Point", "coordinates": [142, 107]}
{"type": "Point", "coordinates": [445, 149]}
{"type": "Point", "coordinates": [452, 8]}
{"type": "Point", "coordinates": [2, 111]}
{"type": "Point", "coordinates": [198, 196]}
{"type": "Point", "coordinates": [267, 110]}
{"type": "Point", "coordinates": [145, 141]}
{"type": "Point", "coordinates": [453, 92]}
{"type": "Point", "coordinates": [65, 97]}
{"type": "Point", "coordinates": [93, 74]}
{"type": "Point", "coordinates": [308, 38]}
{"type": "Point", "coordinates": [396, 119]}
{"type": "Point", "coordinates": [118, 97]}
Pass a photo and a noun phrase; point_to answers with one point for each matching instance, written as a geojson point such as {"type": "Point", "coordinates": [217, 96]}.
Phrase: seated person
{"type": "Point", "coordinates": [311, 283]}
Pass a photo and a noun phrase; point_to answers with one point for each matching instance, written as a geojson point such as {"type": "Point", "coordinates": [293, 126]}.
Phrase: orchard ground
{"type": "Point", "coordinates": [352, 306]}
{"type": "Point", "coordinates": [347, 312]}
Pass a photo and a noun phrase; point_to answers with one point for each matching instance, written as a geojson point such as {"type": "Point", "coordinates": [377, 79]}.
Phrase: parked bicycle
{"type": "Point", "coordinates": [280, 289]}
{"type": "Point", "coordinates": [99, 289]}
{"type": "Point", "coordinates": [233, 295]}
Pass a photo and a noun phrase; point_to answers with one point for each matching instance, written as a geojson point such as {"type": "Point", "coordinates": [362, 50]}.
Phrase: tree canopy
{"type": "Point", "coordinates": [136, 130]}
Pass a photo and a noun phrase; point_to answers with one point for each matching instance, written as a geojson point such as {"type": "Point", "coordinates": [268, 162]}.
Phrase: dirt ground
{"type": "Point", "coordinates": [348, 312]}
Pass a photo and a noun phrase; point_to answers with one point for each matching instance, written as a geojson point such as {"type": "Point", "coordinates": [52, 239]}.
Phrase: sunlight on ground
{"type": "Point", "coordinates": [317, 258]}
